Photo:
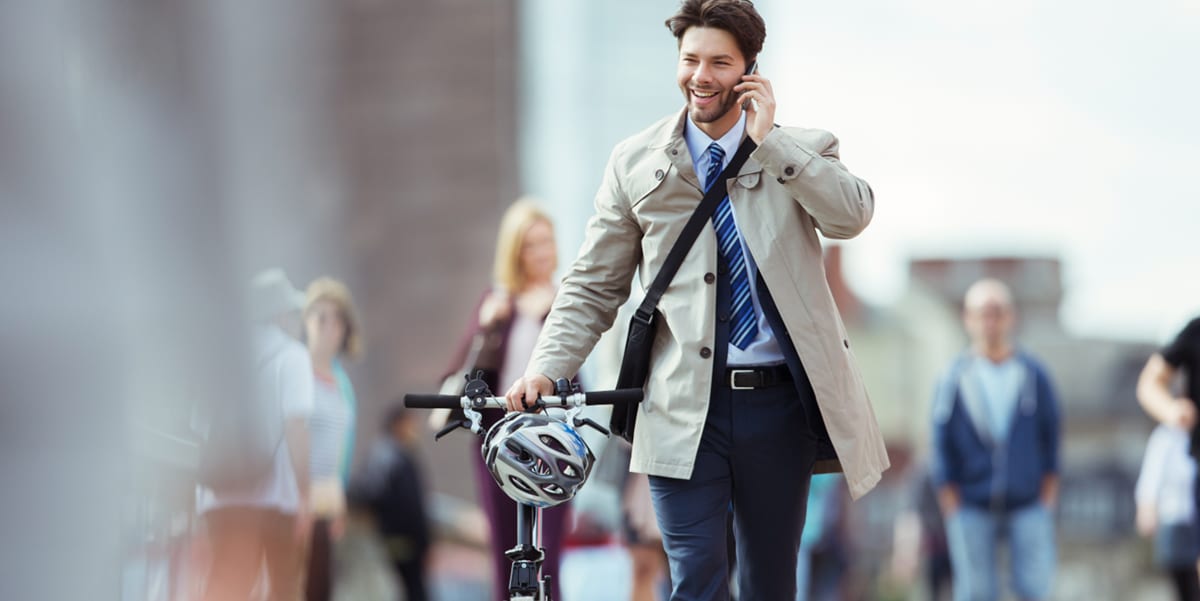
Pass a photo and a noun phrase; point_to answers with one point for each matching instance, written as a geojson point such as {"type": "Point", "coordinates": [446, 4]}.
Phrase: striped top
{"type": "Point", "coordinates": [328, 426]}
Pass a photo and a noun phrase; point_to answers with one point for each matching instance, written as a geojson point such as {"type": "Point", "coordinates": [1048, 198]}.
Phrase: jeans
{"type": "Point", "coordinates": [974, 534]}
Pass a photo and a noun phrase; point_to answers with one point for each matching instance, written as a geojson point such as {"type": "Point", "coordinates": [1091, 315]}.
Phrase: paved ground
{"type": "Point", "coordinates": [588, 574]}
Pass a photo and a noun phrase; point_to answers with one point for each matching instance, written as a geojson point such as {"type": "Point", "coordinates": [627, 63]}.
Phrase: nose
{"type": "Point", "coordinates": [703, 74]}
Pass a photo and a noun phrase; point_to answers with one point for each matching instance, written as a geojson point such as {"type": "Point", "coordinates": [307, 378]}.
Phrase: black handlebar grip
{"type": "Point", "coordinates": [432, 401]}
{"type": "Point", "coordinates": [613, 397]}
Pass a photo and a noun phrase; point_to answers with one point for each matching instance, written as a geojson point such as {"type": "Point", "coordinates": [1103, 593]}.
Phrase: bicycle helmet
{"type": "Point", "coordinates": [536, 459]}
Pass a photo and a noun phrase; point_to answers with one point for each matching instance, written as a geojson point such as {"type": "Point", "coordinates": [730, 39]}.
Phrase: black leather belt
{"type": "Point", "coordinates": [745, 378]}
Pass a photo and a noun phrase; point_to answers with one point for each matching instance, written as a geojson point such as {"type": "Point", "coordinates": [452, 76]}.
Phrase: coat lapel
{"type": "Point", "coordinates": [670, 139]}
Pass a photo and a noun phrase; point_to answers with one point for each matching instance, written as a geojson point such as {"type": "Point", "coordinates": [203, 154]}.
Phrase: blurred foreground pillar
{"type": "Point", "coordinates": [146, 151]}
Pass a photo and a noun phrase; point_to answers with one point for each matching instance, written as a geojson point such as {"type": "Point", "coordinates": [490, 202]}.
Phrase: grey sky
{"type": "Point", "coordinates": [1021, 127]}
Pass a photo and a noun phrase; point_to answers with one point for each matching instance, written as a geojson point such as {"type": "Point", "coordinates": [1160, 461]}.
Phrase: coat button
{"type": "Point", "coordinates": [724, 317]}
{"type": "Point", "coordinates": [709, 278]}
{"type": "Point", "coordinates": [705, 353]}
{"type": "Point", "coordinates": [779, 179]}
{"type": "Point", "coordinates": [789, 171]}
{"type": "Point", "coordinates": [674, 151]}
{"type": "Point", "coordinates": [658, 174]}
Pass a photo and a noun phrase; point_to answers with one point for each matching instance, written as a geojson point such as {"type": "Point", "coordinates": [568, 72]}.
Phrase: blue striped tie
{"type": "Point", "coordinates": [744, 325]}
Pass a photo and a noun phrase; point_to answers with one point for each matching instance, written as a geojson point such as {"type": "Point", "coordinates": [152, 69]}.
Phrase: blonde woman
{"type": "Point", "coordinates": [332, 332]}
{"type": "Point", "coordinates": [502, 335]}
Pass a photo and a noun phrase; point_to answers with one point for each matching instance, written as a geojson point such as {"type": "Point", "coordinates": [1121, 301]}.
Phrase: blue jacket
{"type": "Point", "coordinates": [994, 473]}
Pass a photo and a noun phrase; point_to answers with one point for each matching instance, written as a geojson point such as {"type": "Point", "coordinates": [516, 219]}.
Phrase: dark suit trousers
{"type": "Point", "coordinates": [755, 457]}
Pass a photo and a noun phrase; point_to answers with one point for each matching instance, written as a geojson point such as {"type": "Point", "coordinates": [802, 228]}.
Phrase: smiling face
{"type": "Point", "coordinates": [710, 64]}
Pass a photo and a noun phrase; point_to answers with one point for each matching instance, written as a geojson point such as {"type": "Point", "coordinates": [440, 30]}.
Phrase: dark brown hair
{"type": "Point", "coordinates": [738, 17]}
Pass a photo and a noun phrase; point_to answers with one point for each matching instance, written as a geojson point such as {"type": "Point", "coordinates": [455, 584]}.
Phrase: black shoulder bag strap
{"type": "Point", "coordinates": [691, 231]}
{"type": "Point", "coordinates": [635, 363]}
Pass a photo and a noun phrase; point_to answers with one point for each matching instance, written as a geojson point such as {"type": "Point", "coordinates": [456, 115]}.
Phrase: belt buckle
{"type": "Point", "coordinates": [733, 374]}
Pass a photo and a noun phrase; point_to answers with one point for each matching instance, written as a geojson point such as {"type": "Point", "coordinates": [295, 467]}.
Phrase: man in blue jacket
{"type": "Point", "coordinates": [995, 454]}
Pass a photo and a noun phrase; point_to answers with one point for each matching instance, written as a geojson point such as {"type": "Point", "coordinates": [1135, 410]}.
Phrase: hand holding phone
{"type": "Point", "coordinates": [758, 103]}
{"type": "Point", "coordinates": [749, 71]}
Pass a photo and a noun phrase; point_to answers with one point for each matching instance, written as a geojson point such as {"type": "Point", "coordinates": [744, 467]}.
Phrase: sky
{"type": "Point", "coordinates": [1017, 128]}
{"type": "Point", "coordinates": [1023, 128]}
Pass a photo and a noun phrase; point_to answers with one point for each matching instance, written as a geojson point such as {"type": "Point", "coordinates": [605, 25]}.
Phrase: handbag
{"type": "Point", "coordinates": [635, 362]}
{"type": "Point", "coordinates": [456, 381]}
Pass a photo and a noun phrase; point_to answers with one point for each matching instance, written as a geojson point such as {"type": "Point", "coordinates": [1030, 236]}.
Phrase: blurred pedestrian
{"type": "Point", "coordinates": [265, 522]}
{"type": "Point", "coordinates": [919, 549]}
{"type": "Point", "coordinates": [643, 541]}
{"type": "Point", "coordinates": [822, 558]}
{"type": "Point", "coordinates": [501, 336]}
{"type": "Point", "coordinates": [1166, 507]}
{"type": "Point", "coordinates": [391, 488]}
{"type": "Point", "coordinates": [637, 524]}
{"type": "Point", "coordinates": [1181, 356]}
{"type": "Point", "coordinates": [333, 333]}
{"type": "Point", "coordinates": [995, 454]}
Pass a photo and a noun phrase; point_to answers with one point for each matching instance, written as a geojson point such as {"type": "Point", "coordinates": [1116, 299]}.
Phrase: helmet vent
{"type": "Point", "coordinates": [519, 452]}
{"type": "Point", "coordinates": [525, 488]}
{"type": "Point", "coordinates": [553, 443]}
{"type": "Point", "coordinates": [567, 469]}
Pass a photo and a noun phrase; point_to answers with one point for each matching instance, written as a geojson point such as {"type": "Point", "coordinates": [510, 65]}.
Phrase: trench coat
{"type": "Point", "coordinates": [789, 189]}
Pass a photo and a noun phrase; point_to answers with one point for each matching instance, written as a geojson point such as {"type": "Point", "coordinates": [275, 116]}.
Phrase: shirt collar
{"type": "Point", "coordinates": [698, 141]}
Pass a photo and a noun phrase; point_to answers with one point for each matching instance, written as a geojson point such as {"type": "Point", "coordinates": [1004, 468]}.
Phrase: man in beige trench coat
{"type": "Point", "coordinates": [752, 383]}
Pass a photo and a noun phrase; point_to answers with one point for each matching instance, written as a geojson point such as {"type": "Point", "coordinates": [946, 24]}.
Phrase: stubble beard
{"type": "Point", "coordinates": [726, 103]}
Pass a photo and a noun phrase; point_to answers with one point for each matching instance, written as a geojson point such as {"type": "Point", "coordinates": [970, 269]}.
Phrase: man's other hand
{"type": "Point", "coordinates": [526, 391]}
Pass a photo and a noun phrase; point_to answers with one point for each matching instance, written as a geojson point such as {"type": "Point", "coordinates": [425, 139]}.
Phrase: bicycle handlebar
{"type": "Point", "coordinates": [599, 397]}
{"type": "Point", "coordinates": [614, 397]}
{"type": "Point", "coordinates": [432, 401]}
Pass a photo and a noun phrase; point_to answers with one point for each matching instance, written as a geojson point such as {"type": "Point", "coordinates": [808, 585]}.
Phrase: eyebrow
{"type": "Point", "coordinates": [718, 57]}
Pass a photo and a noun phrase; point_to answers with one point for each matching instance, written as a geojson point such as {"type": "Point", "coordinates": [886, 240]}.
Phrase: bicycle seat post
{"type": "Point", "coordinates": [526, 556]}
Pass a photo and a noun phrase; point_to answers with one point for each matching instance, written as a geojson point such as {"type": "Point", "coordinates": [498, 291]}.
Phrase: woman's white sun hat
{"type": "Point", "coordinates": [272, 294]}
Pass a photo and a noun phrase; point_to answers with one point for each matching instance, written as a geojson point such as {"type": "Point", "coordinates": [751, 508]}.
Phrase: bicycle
{"type": "Point", "coordinates": [560, 477]}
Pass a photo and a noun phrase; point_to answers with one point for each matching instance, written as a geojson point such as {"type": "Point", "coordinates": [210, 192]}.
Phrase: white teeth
{"type": "Point", "coordinates": [704, 94]}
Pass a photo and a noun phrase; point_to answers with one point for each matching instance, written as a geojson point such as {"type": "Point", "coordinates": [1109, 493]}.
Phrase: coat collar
{"type": "Point", "coordinates": [668, 136]}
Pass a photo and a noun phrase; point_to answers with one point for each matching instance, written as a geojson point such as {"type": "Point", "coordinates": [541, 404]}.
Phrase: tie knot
{"type": "Point", "coordinates": [716, 156]}
{"type": "Point", "coordinates": [716, 153]}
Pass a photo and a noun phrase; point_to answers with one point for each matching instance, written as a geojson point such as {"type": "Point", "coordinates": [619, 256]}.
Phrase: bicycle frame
{"type": "Point", "coordinates": [525, 583]}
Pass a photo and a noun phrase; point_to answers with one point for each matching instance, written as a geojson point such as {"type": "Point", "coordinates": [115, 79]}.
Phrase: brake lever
{"type": "Point", "coordinates": [535, 407]}
{"type": "Point", "coordinates": [452, 426]}
{"type": "Point", "coordinates": [587, 421]}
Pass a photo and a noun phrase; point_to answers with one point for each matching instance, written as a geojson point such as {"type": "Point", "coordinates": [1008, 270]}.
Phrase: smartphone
{"type": "Point", "coordinates": [749, 71]}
